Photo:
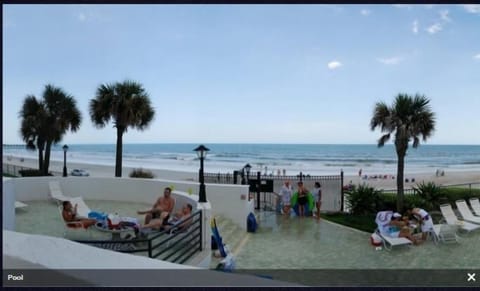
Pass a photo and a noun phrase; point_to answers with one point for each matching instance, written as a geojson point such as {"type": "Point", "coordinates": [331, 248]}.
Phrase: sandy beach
{"type": "Point", "coordinates": [450, 178]}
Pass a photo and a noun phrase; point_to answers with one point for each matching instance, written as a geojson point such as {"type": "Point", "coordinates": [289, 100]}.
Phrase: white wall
{"type": "Point", "coordinates": [8, 200]}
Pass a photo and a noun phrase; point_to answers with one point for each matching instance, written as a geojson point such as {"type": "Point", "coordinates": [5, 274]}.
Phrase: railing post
{"type": "Point", "coordinates": [342, 193]}
{"type": "Point", "coordinates": [258, 190]}
{"type": "Point", "coordinates": [150, 248]}
{"type": "Point", "coordinates": [201, 231]}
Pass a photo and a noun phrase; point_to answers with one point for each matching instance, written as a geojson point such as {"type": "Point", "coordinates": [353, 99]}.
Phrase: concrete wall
{"type": "Point", "coordinates": [8, 201]}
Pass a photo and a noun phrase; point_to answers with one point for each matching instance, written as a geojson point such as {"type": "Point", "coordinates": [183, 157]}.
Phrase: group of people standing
{"type": "Point", "coordinates": [303, 198]}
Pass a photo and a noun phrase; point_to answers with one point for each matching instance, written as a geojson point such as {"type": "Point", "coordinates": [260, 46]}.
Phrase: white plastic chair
{"type": "Point", "coordinates": [475, 205]}
{"type": "Point", "coordinates": [445, 233]}
{"type": "Point", "coordinates": [467, 215]}
{"type": "Point", "coordinates": [452, 219]}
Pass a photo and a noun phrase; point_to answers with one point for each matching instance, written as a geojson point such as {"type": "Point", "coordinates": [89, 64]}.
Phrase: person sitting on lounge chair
{"type": "Point", "coordinates": [397, 227]}
{"type": "Point", "coordinates": [161, 223]}
{"type": "Point", "coordinates": [424, 219]}
{"type": "Point", "coordinates": [162, 208]}
{"type": "Point", "coordinates": [69, 214]}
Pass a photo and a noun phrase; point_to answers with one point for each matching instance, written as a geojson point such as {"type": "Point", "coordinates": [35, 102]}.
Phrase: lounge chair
{"type": "Point", "coordinates": [390, 242]}
{"type": "Point", "coordinates": [465, 212]}
{"type": "Point", "coordinates": [20, 205]}
{"type": "Point", "coordinates": [56, 192]}
{"type": "Point", "coordinates": [475, 205]}
{"type": "Point", "coordinates": [383, 218]}
{"type": "Point", "coordinates": [445, 233]}
{"type": "Point", "coordinates": [452, 219]}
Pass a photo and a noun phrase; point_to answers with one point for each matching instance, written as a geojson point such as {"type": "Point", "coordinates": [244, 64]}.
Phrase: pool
{"type": "Point", "coordinates": [43, 217]}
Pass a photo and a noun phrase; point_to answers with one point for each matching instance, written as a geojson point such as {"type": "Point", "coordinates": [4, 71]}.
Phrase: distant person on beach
{"type": "Point", "coordinates": [302, 198]}
{"type": "Point", "coordinates": [317, 196]}
{"type": "Point", "coordinates": [360, 172]}
{"type": "Point", "coordinates": [162, 208]}
{"type": "Point", "coordinates": [284, 172]}
{"type": "Point", "coordinates": [286, 196]}
{"type": "Point", "coordinates": [69, 214]}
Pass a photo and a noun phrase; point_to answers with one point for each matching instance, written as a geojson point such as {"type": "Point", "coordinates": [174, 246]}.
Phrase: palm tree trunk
{"type": "Point", "coordinates": [46, 162]}
{"type": "Point", "coordinates": [40, 159]}
{"type": "Point", "coordinates": [400, 169]}
{"type": "Point", "coordinates": [118, 160]}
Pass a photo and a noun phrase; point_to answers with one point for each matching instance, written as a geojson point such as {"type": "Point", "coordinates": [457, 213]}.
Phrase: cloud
{"type": "Point", "coordinates": [82, 17]}
{"type": "Point", "coordinates": [477, 57]}
{"type": "Point", "coordinates": [390, 61]}
{"type": "Point", "coordinates": [334, 65]}
{"type": "Point", "coordinates": [402, 6]}
{"type": "Point", "coordinates": [444, 16]}
{"type": "Point", "coordinates": [365, 12]}
{"type": "Point", "coordinates": [415, 27]}
{"type": "Point", "coordinates": [472, 8]}
{"type": "Point", "coordinates": [434, 28]}
{"type": "Point", "coordinates": [92, 15]}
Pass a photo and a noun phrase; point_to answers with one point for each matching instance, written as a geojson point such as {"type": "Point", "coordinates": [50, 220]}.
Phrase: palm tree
{"type": "Point", "coordinates": [409, 118]}
{"type": "Point", "coordinates": [127, 104]}
{"type": "Point", "coordinates": [32, 116]}
{"type": "Point", "coordinates": [45, 122]}
{"type": "Point", "coordinates": [62, 115]}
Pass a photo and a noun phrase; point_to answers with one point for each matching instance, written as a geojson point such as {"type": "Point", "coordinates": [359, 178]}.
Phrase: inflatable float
{"type": "Point", "coordinates": [308, 207]}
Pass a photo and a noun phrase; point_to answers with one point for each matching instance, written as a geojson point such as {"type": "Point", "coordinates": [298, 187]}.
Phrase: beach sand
{"type": "Point", "coordinates": [450, 178]}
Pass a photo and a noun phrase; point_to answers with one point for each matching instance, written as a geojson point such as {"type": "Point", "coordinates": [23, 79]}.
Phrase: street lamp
{"type": "Point", "coordinates": [65, 149]}
{"type": "Point", "coordinates": [201, 153]}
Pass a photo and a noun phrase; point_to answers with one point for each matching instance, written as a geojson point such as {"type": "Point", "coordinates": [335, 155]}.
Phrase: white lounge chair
{"type": "Point", "coordinates": [475, 205]}
{"type": "Point", "coordinates": [20, 205]}
{"type": "Point", "coordinates": [465, 212]}
{"type": "Point", "coordinates": [56, 192]}
{"type": "Point", "coordinates": [452, 219]}
{"type": "Point", "coordinates": [390, 242]}
{"type": "Point", "coordinates": [445, 233]}
{"type": "Point", "coordinates": [383, 218]}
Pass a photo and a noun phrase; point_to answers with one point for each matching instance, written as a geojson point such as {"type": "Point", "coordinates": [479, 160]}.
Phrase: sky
{"type": "Point", "coordinates": [249, 73]}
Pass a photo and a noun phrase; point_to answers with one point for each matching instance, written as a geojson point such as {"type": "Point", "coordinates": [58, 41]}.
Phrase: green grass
{"type": "Point", "coordinates": [8, 175]}
{"type": "Point", "coordinates": [360, 222]}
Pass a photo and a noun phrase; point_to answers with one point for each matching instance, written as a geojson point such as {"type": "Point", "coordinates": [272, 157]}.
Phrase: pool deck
{"type": "Point", "coordinates": [305, 243]}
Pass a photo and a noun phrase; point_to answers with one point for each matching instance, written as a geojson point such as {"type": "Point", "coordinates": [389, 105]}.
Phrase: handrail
{"type": "Point", "coordinates": [191, 236]}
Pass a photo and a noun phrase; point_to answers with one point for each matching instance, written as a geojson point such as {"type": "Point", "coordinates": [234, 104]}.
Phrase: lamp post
{"type": "Point", "coordinates": [65, 149]}
{"type": "Point", "coordinates": [201, 153]}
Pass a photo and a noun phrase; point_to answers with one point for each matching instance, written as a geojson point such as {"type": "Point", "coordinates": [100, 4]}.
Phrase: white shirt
{"type": "Point", "coordinates": [316, 194]}
{"type": "Point", "coordinates": [286, 194]}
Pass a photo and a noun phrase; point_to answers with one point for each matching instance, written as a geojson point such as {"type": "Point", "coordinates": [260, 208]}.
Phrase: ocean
{"type": "Point", "coordinates": [271, 158]}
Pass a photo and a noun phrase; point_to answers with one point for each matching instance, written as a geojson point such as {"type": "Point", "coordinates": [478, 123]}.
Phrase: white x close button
{"type": "Point", "coordinates": [471, 277]}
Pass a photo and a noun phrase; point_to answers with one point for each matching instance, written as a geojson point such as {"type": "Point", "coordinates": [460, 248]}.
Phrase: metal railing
{"type": "Point", "coordinates": [167, 245]}
{"type": "Point", "coordinates": [14, 170]}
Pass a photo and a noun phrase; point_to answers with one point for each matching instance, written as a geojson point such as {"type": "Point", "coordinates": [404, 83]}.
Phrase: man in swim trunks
{"type": "Point", "coordinates": [162, 223]}
{"type": "Point", "coordinates": [162, 208]}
